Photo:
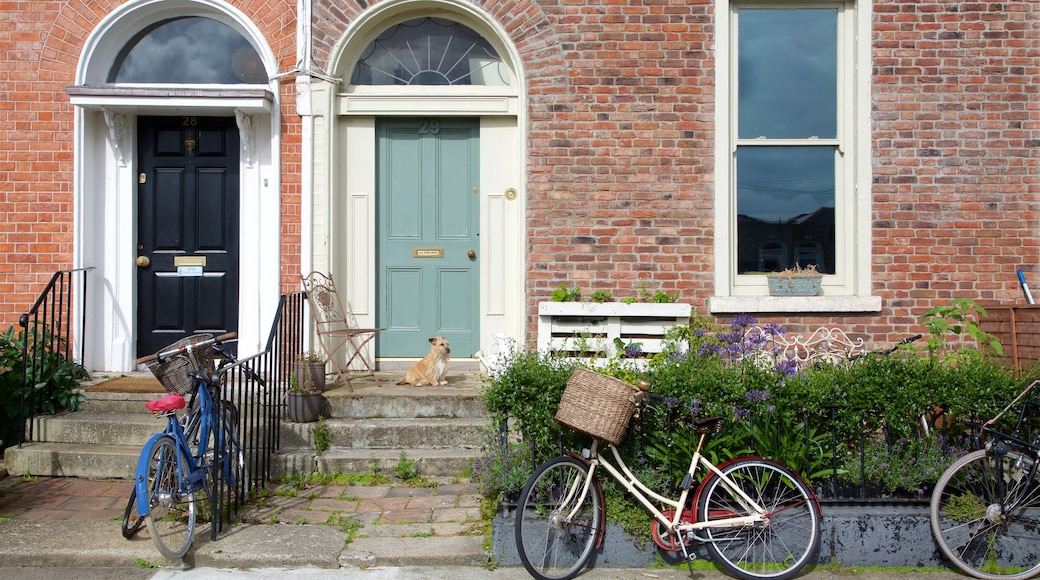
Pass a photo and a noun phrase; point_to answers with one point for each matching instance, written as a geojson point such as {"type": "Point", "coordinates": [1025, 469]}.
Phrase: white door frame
{"type": "Point", "coordinates": [105, 179]}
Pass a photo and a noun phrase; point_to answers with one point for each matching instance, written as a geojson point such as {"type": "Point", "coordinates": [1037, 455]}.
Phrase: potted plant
{"type": "Point", "coordinates": [310, 369]}
{"type": "Point", "coordinates": [796, 281]}
{"type": "Point", "coordinates": [304, 402]}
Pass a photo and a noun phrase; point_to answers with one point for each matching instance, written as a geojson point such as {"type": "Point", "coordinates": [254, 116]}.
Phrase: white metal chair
{"type": "Point", "coordinates": [339, 337]}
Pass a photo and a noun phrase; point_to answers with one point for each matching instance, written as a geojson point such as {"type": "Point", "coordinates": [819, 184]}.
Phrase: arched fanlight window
{"type": "Point", "coordinates": [430, 51]}
{"type": "Point", "coordinates": [191, 50]}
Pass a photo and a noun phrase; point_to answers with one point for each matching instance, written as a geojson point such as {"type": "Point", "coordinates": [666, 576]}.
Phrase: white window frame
{"type": "Point", "coordinates": [849, 290]}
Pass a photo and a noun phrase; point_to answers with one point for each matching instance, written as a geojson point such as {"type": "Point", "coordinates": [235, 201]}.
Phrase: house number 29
{"type": "Point", "coordinates": [429, 127]}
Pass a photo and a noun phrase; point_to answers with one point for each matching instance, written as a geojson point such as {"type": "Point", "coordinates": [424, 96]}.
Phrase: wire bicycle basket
{"type": "Point", "coordinates": [172, 371]}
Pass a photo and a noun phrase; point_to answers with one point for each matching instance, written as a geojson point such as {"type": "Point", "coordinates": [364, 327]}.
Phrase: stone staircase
{"type": "Point", "coordinates": [439, 429]}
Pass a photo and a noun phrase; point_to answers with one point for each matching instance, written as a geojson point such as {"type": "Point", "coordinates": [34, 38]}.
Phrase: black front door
{"type": "Point", "coordinates": [187, 228]}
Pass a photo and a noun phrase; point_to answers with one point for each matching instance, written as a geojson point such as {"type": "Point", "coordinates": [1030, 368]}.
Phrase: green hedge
{"type": "Point", "coordinates": [851, 420]}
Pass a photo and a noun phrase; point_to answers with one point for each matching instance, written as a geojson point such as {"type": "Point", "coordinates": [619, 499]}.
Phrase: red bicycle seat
{"type": "Point", "coordinates": [170, 402]}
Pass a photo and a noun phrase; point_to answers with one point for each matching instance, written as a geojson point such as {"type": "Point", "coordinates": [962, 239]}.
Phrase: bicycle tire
{"type": "Point", "coordinates": [551, 545]}
{"type": "Point", "coordinates": [171, 518]}
{"type": "Point", "coordinates": [973, 531]}
{"type": "Point", "coordinates": [787, 542]}
{"type": "Point", "coordinates": [233, 469]}
{"type": "Point", "coordinates": [132, 521]}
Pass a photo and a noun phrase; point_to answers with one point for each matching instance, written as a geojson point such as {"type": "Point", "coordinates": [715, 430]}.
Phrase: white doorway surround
{"type": "Point", "coordinates": [339, 220]}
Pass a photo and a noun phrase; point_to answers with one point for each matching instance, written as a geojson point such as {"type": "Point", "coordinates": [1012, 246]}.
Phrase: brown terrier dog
{"type": "Point", "coordinates": [430, 370]}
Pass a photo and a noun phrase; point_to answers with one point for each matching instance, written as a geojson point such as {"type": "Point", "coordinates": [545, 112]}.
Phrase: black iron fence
{"type": "Point", "coordinates": [260, 406]}
{"type": "Point", "coordinates": [51, 329]}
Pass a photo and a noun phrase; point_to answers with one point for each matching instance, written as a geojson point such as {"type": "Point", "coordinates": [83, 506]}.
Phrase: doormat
{"type": "Point", "coordinates": [128, 385]}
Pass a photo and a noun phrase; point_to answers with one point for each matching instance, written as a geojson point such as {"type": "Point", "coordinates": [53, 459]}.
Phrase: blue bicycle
{"type": "Point", "coordinates": [192, 453]}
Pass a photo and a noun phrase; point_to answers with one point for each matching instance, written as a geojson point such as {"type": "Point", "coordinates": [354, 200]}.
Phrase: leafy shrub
{"type": "Point", "coordinates": [56, 380]}
{"type": "Point", "coordinates": [812, 419]}
{"type": "Point", "coordinates": [904, 465]}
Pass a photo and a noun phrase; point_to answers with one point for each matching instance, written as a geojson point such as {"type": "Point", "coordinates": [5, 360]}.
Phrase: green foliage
{"type": "Point", "coordinates": [527, 393]}
{"type": "Point", "coordinates": [904, 465]}
{"type": "Point", "coordinates": [405, 469]}
{"type": "Point", "coordinates": [56, 379]}
{"type": "Point", "coordinates": [321, 435]}
{"type": "Point", "coordinates": [661, 297]}
{"type": "Point", "coordinates": [503, 466]}
{"type": "Point", "coordinates": [562, 294]}
{"type": "Point", "coordinates": [805, 417]}
{"type": "Point", "coordinates": [950, 324]}
{"type": "Point", "coordinates": [601, 296]}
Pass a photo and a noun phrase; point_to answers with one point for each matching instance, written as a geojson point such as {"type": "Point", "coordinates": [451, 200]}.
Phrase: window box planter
{"type": "Point", "coordinates": [794, 286]}
{"type": "Point", "coordinates": [576, 328]}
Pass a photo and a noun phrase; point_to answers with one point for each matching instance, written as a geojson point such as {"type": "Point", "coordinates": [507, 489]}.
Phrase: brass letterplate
{"type": "Point", "coordinates": [189, 261]}
{"type": "Point", "coordinates": [428, 252]}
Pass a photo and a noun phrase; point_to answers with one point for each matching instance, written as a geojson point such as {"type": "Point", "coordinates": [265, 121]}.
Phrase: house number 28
{"type": "Point", "coordinates": [429, 127]}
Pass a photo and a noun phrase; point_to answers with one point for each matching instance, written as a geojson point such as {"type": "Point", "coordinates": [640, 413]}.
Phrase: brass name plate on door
{"type": "Point", "coordinates": [427, 252]}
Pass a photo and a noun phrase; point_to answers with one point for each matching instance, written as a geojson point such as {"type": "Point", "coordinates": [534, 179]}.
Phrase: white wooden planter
{"type": "Point", "coordinates": [569, 328]}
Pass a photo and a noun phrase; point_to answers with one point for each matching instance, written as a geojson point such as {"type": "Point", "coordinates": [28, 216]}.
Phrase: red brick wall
{"type": "Point", "coordinates": [621, 137]}
{"type": "Point", "coordinates": [621, 142]}
{"type": "Point", "coordinates": [40, 45]}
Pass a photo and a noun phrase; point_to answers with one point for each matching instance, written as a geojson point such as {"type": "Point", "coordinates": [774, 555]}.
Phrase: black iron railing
{"type": "Point", "coordinates": [52, 336]}
{"type": "Point", "coordinates": [260, 407]}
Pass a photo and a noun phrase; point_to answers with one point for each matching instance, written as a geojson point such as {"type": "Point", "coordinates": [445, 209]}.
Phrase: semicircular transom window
{"type": "Point", "coordinates": [189, 50]}
{"type": "Point", "coordinates": [430, 51]}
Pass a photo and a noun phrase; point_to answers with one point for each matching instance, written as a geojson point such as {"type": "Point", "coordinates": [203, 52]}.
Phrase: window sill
{"type": "Point", "coordinates": [750, 304]}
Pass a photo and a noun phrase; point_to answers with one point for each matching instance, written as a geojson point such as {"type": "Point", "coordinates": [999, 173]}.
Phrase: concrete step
{"type": "Point", "coordinates": [441, 428]}
{"type": "Point", "coordinates": [428, 462]}
{"type": "Point", "coordinates": [459, 398]}
{"type": "Point", "coordinates": [97, 428]}
{"type": "Point", "coordinates": [73, 460]}
{"type": "Point", "coordinates": [397, 433]}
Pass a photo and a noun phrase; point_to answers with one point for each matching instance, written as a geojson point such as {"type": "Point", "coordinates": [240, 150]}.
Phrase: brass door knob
{"type": "Point", "coordinates": [143, 261]}
{"type": "Point", "coordinates": [471, 254]}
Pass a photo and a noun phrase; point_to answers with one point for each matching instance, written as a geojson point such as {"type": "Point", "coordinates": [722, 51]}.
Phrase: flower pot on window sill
{"type": "Point", "coordinates": [794, 286]}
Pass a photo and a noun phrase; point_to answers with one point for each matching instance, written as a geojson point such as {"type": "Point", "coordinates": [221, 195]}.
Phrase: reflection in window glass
{"type": "Point", "coordinates": [788, 67]}
{"type": "Point", "coordinates": [191, 50]}
{"type": "Point", "coordinates": [785, 208]}
{"type": "Point", "coordinates": [430, 51]}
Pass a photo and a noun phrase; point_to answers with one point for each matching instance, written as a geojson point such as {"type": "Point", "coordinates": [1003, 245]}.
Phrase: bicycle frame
{"type": "Point", "coordinates": [197, 467]}
{"type": "Point", "coordinates": [640, 491]}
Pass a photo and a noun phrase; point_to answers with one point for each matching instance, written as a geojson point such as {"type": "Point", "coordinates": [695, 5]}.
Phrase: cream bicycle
{"type": "Point", "coordinates": [757, 518]}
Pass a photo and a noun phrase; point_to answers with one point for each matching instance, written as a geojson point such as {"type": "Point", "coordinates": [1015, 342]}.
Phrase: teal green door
{"type": "Point", "coordinates": [427, 215]}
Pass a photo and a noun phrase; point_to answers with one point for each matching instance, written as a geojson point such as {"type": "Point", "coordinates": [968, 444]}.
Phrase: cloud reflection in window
{"type": "Point", "coordinates": [192, 50]}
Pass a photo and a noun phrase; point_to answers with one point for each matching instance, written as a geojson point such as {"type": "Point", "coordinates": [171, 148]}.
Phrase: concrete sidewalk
{"type": "Point", "coordinates": [75, 521]}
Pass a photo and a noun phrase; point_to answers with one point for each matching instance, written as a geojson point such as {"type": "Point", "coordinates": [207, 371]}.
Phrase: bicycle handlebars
{"type": "Point", "coordinates": [185, 348]}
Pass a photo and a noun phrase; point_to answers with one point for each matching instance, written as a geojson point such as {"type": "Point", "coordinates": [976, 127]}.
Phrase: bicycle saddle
{"type": "Point", "coordinates": [170, 402]}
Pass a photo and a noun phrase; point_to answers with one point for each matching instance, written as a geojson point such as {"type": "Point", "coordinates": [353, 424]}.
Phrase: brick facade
{"type": "Point", "coordinates": [621, 137]}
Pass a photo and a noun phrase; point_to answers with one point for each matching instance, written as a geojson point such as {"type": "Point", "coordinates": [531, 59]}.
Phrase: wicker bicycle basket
{"type": "Point", "coordinates": [597, 405]}
{"type": "Point", "coordinates": [172, 371]}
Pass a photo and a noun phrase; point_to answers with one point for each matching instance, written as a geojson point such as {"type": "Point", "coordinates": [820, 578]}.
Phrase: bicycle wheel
{"type": "Point", "coordinates": [788, 538]}
{"type": "Point", "coordinates": [132, 521]}
{"type": "Point", "coordinates": [171, 521]}
{"type": "Point", "coordinates": [556, 524]}
{"type": "Point", "coordinates": [233, 469]}
{"type": "Point", "coordinates": [986, 532]}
